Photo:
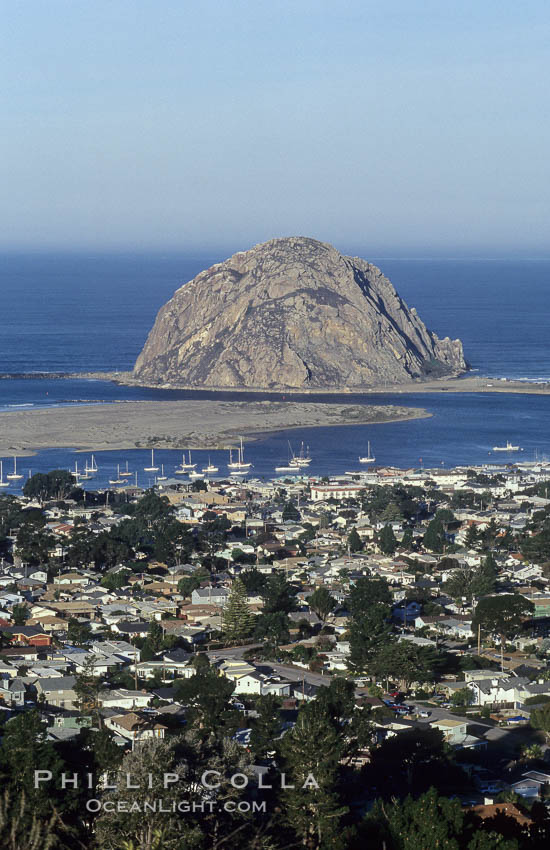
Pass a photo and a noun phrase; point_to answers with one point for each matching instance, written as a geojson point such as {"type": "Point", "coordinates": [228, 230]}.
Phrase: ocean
{"type": "Point", "coordinates": [84, 312]}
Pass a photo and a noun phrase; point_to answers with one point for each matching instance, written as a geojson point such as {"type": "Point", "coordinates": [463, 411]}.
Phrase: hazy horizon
{"type": "Point", "coordinates": [409, 132]}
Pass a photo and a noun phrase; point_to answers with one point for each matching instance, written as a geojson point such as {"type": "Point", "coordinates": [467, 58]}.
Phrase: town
{"type": "Point", "coordinates": [386, 633]}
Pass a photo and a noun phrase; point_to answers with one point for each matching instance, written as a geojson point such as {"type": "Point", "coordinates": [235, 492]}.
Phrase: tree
{"type": "Point", "coordinates": [387, 541]}
{"type": "Point", "coordinates": [468, 582]}
{"type": "Point", "coordinates": [540, 719]}
{"type": "Point", "coordinates": [115, 581]}
{"type": "Point", "coordinates": [272, 628]}
{"type": "Point", "coordinates": [56, 484]}
{"type": "Point", "coordinates": [78, 633]}
{"type": "Point", "coordinates": [278, 595]}
{"type": "Point", "coordinates": [407, 539]}
{"type": "Point", "coordinates": [87, 689]}
{"type": "Point", "coordinates": [429, 822]}
{"type": "Point", "coordinates": [404, 662]}
{"type": "Point", "coordinates": [434, 538]}
{"type": "Point", "coordinates": [291, 512]}
{"type": "Point", "coordinates": [206, 695]}
{"type": "Point", "coordinates": [237, 619]}
{"type": "Point", "coordinates": [462, 698]}
{"type": "Point", "coordinates": [368, 633]}
{"type": "Point", "coordinates": [472, 537]}
{"type": "Point", "coordinates": [24, 750]}
{"type": "Point", "coordinates": [411, 755]}
{"type": "Point", "coordinates": [321, 602]}
{"type": "Point", "coordinates": [366, 592]}
{"type": "Point", "coordinates": [253, 580]}
{"type": "Point", "coordinates": [311, 752]}
{"type": "Point", "coordinates": [155, 636]}
{"type": "Point", "coordinates": [355, 544]}
{"type": "Point", "coordinates": [502, 615]}
{"type": "Point", "coordinates": [20, 614]}
{"type": "Point", "coordinates": [187, 585]}
{"type": "Point", "coordinates": [266, 726]}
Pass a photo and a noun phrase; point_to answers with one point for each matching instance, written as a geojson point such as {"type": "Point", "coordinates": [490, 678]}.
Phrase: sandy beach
{"type": "Point", "coordinates": [176, 424]}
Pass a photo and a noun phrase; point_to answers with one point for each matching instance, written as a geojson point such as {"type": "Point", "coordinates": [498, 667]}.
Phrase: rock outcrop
{"type": "Point", "coordinates": [292, 313]}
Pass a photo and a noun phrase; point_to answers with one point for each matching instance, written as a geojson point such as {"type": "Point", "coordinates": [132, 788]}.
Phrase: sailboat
{"type": "Point", "coordinates": [369, 458]}
{"type": "Point", "coordinates": [241, 463]}
{"type": "Point", "coordinates": [91, 469]}
{"type": "Point", "coordinates": [14, 476]}
{"type": "Point", "coordinates": [291, 466]}
{"type": "Point", "coordinates": [126, 473]}
{"type": "Point", "coordinates": [304, 458]}
{"type": "Point", "coordinates": [2, 482]}
{"type": "Point", "coordinates": [162, 476]}
{"type": "Point", "coordinates": [151, 468]}
{"type": "Point", "coordinates": [210, 468]}
{"type": "Point", "coordinates": [184, 466]}
{"type": "Point", "coordinates": [233, 464]}
{"type": "Point", "coordinates": [118, 479]}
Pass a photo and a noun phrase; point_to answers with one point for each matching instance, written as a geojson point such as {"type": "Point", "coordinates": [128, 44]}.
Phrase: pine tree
{"type": "Point", "coordinates": [311, 753]}
{"type": "Point", "coordinates": [434, 537]}
{"type": "Point", "coordinates": [237, 619]}
{"type": "Point", "coordinates": [354, 541]}
{"type": "Point", "coordinates": [387, 541]}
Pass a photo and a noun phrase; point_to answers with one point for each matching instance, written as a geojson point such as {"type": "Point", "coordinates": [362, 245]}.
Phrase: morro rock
{"type": "Point", "coordinates": [296, 314]}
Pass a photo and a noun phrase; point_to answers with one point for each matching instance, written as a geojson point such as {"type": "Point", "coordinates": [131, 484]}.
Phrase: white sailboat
{"type": "Point", "coordinates": [162, 476]}
{"type": "Point", "coordinates": [291, 466]}
{"type": "Point", "coordinates": [91, 469]}
{"type": "Point", "coordinates": [118, 479]}
{"type": "Point", "coordinates": [304, 458]}
{"type": "Point", "coordinates": [233, 464]}
{"type": "Point", "coordinates": [210, 468]}
{"type": "Point", "coordinates": [2, 482]}
{"type": "Point", "coordinates": [14, 476]}
{"type": "Point", "coordinates": [241, 464]}
{"type": "Point", "coordinates": [185, 466]}
{"type": "Point", "coordinates": [151, 468]}
{"type": "Point", "coordinates": [126, 473]}
{"type": "Point", "coordinates": [369, 458]}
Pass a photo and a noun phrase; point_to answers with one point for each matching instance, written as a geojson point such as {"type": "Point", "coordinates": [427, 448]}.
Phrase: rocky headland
{"type": "Point", "coordinates": [292, 314]}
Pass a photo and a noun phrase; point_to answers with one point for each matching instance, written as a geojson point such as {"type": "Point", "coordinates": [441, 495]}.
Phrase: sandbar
{"type": "Point", "coordinates": [176, 424]}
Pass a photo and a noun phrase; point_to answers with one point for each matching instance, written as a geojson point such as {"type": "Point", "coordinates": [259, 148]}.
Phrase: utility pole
{"type": "Point", "coordinates": [479, 638]}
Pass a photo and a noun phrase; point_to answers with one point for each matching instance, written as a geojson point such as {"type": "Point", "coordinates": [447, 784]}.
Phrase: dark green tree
{"type": "Point", "coordinates": [387, 541]}
{"type": "Point", "coordinates": [266, 726]}
{"type": "Point", "coordinates": [56, 484]}
{"type": "Point", "coordinates": [502, 615]}
{"type": "Point", "coordinates": [321, 602]}
{"type": "Point", "coordinates": [20, 614]}
{"type": "Point", "coordinates": [430, 822]}
{"type": "Point", "coordinates": [77, 632]}
{"type": "Point", "coordinates": [272, 628]}
{"type": "Point", "coordinates": [206, 696]}
{"type": "Point", "coordinates": [278, 595]}
{"type": "Point", "coordinates": [237, 619]}
{"type": "Point", "coordinates": [368, 633]}
{"type": "Point", "coordinates": [434, 538]}
{"type": "Point", "coordinates": [355, 544]}
{"type": "Point", "coordinates": [366, 592]}
{"type": "Point", "coordinates": [311, 754]}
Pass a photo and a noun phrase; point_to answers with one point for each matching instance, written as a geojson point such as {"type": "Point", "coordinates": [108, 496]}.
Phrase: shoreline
{"type": "Point", "coordinates": [194, 424]}
{"type": "Point", "coordinates": [465, 383]}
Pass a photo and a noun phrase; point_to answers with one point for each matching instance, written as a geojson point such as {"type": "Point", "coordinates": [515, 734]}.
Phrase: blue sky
{"type": "Point", "coordinates": [394, 127]}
